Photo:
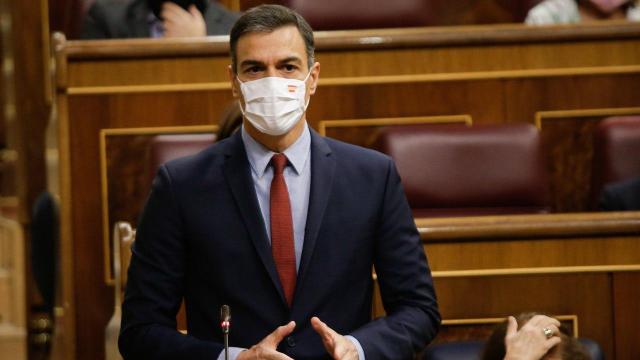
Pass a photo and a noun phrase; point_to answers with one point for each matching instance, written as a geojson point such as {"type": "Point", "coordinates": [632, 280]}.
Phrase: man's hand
{"type": "Point", "coordinates": [339, 347]}
{"type": "Point", "coordinates": [530, 342]}
{"type": "Point", "coordinates": [178, 22]}
{"type": "Point", "coordinates": [266, 349]}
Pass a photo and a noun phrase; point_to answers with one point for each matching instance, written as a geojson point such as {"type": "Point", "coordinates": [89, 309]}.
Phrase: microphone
{"type": "Point", "coordinates": [225, 324]}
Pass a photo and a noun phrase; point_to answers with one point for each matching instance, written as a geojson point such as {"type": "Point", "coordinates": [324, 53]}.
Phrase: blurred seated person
{"type": "Point", "coordinates": [574, 11]}
{"type": "Point", "coordinates": [532, 336]}
{"type": "Point", "coordinates": [621, 196]}
{"type": "Point", "coordinates": [118, 19]}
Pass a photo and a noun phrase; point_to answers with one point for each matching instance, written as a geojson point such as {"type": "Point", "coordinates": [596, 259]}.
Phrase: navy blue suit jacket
{"type": "Point", "coordinates": [202, 236]}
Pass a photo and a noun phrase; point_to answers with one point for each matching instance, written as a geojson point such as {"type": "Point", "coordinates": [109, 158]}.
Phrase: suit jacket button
{"type": "Point", "coordinates": [291, 341]}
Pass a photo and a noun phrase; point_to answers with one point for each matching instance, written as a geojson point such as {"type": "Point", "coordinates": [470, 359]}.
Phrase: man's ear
{"type": "Point", "coordinates": [315, 76]}
{"type": "Point", "coordinates": [232, 80]}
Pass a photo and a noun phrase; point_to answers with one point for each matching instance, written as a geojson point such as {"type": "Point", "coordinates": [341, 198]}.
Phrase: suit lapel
{"type": "Point", "coordinates": [322, 173]}
{"type": "Point", "coordinates": [237, 173]}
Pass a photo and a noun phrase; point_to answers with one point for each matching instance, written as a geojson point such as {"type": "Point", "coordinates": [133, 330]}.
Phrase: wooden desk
{"type": "Point", "coordinates": [492, 74]}
{"type": "Point", "coordinates": [584, 265]}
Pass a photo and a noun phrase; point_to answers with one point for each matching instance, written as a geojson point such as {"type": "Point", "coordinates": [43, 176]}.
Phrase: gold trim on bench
{"type": "Point", "coordinates": [324, 124]}
{"type": "Point", "coordinates": [370, 80]}
{"type": "Point", "coordinates": [535, 271]}
{"type": "Point", "coordinates": [563, 114]}
{"type": "Point", "coordinates": [136, 89]}
{"type": "Point", "coordinates": [106, 231]}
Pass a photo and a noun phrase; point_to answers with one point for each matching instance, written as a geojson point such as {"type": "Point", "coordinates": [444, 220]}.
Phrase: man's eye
{"type": "Point", "coordinates": [289, 67]}
{"type": "Point", "coordinates": [253, 69]}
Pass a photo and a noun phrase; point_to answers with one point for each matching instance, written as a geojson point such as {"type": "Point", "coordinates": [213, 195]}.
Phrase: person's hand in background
{"type": "Point", "coordinates": [178, 22]}
{"type": "Point", "coordinates": [531, 341]}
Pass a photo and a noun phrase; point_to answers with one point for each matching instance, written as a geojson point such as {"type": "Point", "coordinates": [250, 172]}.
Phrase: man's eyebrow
{"type": "Point", "coordinates": [250, 62]}
{"type": "Point", "coordinates": [290, 59]}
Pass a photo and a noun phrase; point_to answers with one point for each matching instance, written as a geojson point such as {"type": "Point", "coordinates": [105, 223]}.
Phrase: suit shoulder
{"type": "Point", "coordinates": [346, 149]}
{"type": "Point", "coordinates": [187, 167]}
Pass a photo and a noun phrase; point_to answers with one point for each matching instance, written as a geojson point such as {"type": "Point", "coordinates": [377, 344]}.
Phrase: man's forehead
{"type": "Point", "coordinates": [283, 42]}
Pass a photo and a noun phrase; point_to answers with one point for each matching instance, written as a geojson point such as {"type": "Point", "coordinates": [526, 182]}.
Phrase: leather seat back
{"type": "Point", "coordinates": [450, 170]}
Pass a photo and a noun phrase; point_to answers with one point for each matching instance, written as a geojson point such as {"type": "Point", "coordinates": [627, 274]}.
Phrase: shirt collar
{"type": "Point", "coordinates": [259, 156]}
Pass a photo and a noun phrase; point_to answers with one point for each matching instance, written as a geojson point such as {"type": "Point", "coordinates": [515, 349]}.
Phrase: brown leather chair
{"type": "Point", "coordinates": [362, 14]}
{"type": "Point", "coordinates": [455, 170]}
{"type": "Point", "coordinates": [616, 152]}
{"type": "Point", "coordinates": [169, 147]}
{"type": "Point", "coordinates": [368, 14]}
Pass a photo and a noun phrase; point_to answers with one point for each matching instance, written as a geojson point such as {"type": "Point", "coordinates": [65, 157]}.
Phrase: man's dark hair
{"type": "Point", "coordinates": [267, 18]}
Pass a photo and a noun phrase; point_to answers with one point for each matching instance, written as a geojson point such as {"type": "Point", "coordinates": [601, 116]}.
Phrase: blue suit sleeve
{"type": "Point", "coordinates": [156, 284]}
{"type": "Point", "coordinates": [406, 285]}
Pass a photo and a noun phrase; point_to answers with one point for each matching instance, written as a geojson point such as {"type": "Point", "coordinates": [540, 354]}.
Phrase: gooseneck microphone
{"type": "Point", "coordinates": [225, 324]}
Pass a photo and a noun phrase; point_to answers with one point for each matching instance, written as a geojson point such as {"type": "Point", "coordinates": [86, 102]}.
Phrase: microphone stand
{"type": "Point", "coordinates": [225, 324]}
{"type": "Point", "coordinates": [226, 346]}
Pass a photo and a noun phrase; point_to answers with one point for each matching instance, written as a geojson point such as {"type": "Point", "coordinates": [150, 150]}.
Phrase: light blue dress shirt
{"type": "Point", "coordinates": [297, 175]}
{"type": "Point", "coordinates": [156, 28]}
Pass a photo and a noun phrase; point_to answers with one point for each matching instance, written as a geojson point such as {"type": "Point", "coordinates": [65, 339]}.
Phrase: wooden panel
{"type": "Point", "coordinates": [66, 16]}
{"type": "Point", "coordinates": [588, 296]}
{"type": "Point", "coordinates": [362, 53]}
{"type": "Point", "coordinates": [532, 244]}
{"type": "Point", "coordinates": [627, 311]}
{"type": "Point", "coordinates": [585, 252]}
{"type": "Point", "coordinates": [149, 71]}
{"type": "Point", "coordinates": [26, 62]}
{"type": "Point", "coordinates": [13, 325]}
{"type": "Point", "coordinates": [340, 64]}
{"type": "Point", "coordinates": [540, 226]}
{"type": "Point", "coordinates": [567, 138]}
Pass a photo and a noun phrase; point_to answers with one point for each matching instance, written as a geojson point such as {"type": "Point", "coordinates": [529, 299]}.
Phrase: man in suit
{"type": "Point", "coordinates": [282, 225]}
{"type": "Point", "coordinates": [119, 19]}
{"type": "Point", "coordinates": [621, 196]}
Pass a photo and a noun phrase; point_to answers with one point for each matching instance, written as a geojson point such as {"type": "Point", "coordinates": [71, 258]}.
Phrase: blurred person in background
{"type": "Point", "coordinates": [117, 19]}
{"type": "Point", "coordinates": [621, 196]}
{"type": "Point", "coordinates": [574, 11]}
{"type": "Point", "coordinates": [532, 336]}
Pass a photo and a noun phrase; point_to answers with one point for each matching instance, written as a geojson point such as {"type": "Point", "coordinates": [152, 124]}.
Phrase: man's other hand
{"type": "Point", "coordinates": [179, 22]}
{"type": "Point", "coordinates": [338, 346]}
{"type": "Point", "coordinates": [266, 349]}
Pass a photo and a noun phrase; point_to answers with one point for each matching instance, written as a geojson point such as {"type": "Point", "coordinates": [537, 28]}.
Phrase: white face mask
{"type": "Point", "coordinates": [274, 105]}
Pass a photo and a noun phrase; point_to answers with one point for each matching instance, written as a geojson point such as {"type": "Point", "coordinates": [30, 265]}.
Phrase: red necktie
{"type": "Point", "coordinates": [282, 228]}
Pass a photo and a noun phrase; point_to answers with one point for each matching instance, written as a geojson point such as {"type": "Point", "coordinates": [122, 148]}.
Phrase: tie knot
{"type": "Point", "coordinates": [279, 161]}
